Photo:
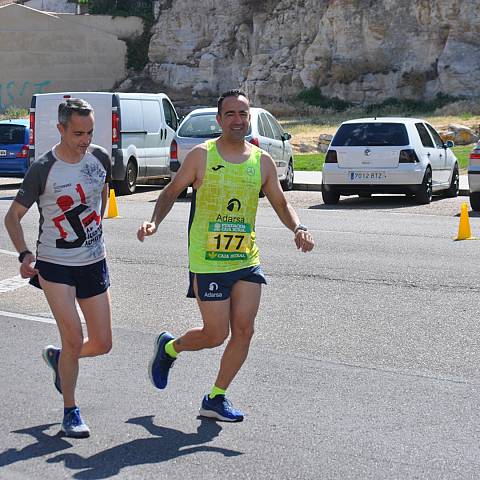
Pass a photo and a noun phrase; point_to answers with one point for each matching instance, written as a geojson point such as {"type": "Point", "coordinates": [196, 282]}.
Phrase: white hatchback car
{"type": "Point", "coordinates": [264, 132]}
{"type": "Point", "coordinates": [389, 155]}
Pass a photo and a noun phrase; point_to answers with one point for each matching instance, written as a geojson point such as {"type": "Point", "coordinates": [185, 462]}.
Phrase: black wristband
{"type": "Point", "coordinates": [300, 227]}
{"type": "Point", "coordinates": [22, 255]}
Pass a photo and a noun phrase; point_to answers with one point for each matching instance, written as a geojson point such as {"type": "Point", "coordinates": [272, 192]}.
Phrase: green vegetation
{"type": "Point", "coordinates": [137, 48]}
{"type": "Point", "coordinates": [313, 96]}
{"type": "Point", "coordinates": [14, 112]}
{"type": "Point", "coordinates": [314, 161]}
{"type": "Point", "coordinates": [309, 161]}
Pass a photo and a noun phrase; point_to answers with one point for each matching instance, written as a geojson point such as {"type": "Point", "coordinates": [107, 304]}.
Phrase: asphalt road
{"type": "Point", "coordinates": [364, 364]}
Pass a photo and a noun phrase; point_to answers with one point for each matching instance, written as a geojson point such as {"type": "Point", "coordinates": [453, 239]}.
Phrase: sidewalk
{"type": "Point", "coordinates": [303, 181]}
{"type": "Point", "coordinates": [313, 181]}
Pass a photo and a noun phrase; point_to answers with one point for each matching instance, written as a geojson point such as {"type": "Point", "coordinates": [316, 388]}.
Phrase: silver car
{"type": "Point", "coordinates": [264, 132]}
{"type": "Point", "coordinates": [474, 177]}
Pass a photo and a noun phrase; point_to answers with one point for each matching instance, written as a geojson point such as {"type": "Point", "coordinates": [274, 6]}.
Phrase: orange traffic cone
{"type": "Point", "coordinates": [464, 232]}
{"type": "Point", "coordinates": [112, 205]}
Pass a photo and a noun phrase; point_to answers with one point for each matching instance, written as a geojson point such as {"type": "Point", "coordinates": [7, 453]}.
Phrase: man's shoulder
{"type": "Point", "coordinates": [98, 151]}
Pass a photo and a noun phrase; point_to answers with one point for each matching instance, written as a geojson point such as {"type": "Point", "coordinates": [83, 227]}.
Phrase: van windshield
{"type": "Point", "coordinates": [371, 135]}
{"type": "Point", "coordinates": [12, 134]}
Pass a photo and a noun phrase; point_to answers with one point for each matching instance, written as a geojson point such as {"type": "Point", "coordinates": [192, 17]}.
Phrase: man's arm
{"type": "Point", "coordinates": [15, 231]}
{"type": "Point", "coordinates": [273, 191]}
{"type": "Point", "coordinates": [188, 174]}
{"type": "Point", "coordinates": [104, 198]}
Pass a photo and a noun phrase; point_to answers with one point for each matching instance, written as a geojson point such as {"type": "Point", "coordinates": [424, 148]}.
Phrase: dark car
{"type": "Point", "coordinates": [14, 140]}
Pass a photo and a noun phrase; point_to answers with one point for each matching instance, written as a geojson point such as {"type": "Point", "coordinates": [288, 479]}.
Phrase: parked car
{"type": "Point", "coordinates": [474, 177]}
{"type": "Point", "coordinates": [389, 155]}
{"type": "Point", "coordinates": [264, 132]}
{"type": "Point", "coordinates": [14, 135]}
{"type": "Point", "coordinates": [136, 128]}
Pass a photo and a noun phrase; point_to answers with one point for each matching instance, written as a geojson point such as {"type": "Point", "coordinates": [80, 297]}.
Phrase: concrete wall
{"type": "Point", "coordinates": [42, 52]}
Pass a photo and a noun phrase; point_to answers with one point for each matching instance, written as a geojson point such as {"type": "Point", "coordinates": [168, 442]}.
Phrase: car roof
{"type": "Point", "coordinates": [16, 121]}
{"type": "Point", "coordinates": [209, 110]}
{"type": "Point", "coordinates": [385, 119]}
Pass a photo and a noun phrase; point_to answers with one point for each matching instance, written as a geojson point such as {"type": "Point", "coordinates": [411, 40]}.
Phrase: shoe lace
{"type": "Point", "coordinates": [74, 419]}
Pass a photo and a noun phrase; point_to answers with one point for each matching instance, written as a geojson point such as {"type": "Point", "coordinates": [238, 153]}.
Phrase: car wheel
{"type": "Point", "coordinates": [128, 185]}
{"type": "Point", "coordinates": [475, 201]}
{"type": "Point", "coordinates": [424, 192]}
{"type": "Point", "coordinates": [287, 184]}
{"type": "Point", "coordinates": [364, 195]}
{"type": "Point", "coordinates": [454, 184]}
{"type": "Point", "coordinates": [329, 195]}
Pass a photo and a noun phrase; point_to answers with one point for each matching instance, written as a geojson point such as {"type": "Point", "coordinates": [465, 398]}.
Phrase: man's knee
{"type": "Point", "coordinates": [102, 346]}
{"type": "Point", "coordinates": [244, 333]}
{"type": "Point", "coordinates": [72, 345]}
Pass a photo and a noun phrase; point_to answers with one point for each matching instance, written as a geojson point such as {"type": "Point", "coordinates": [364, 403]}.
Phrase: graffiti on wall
{"type": "Point", "coordinates": [15, 93]}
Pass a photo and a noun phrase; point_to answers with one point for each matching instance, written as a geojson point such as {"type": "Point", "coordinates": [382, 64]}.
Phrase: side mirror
{"type": "Point", "coordinates": [449, 144]}
{"type": "Point", "coordinates": [286, 136]}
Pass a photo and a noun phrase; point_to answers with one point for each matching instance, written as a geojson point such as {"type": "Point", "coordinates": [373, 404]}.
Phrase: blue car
{"type": "Point", "coordinates": [14, 139]}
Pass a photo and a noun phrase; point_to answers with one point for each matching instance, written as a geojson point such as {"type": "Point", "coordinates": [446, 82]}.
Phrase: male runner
{"type": "Point", "coordinates": [70, 186]}
{"type": "Point", "coordinates": [227, 175]}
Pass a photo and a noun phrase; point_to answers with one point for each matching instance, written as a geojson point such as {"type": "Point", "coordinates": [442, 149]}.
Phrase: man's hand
{"type": "Point", "coordinates": [147, 229]}
{"type": "Point", "coordinates": [304, 241]}
{"type": "Point", "coordinates": [26, 268]}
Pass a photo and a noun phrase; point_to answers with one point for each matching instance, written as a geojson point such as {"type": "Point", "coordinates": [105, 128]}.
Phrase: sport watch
{"type": "Point", "coordinates": [22, 255]}
{"type": "Point", "coordinates": [300, 227]}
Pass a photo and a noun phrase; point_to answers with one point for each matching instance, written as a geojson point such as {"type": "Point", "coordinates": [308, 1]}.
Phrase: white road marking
{"type": "Point", "coordinates": [6, 252]}
{"type": "Point", "coordinates": [32, 318]}
{"type": "Point", "coordinates": [10, 284]}
{"type": "Point", "coordinates": [35, 318]}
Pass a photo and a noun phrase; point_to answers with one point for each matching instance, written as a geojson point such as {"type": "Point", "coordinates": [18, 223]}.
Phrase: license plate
{"type": "Point", "coordinates": [3, 153]}
{"type": "Point", "coordinates": [367, 176]}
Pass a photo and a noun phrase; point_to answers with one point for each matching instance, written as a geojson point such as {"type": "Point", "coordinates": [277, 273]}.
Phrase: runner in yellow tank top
{"type": "Point", "coordinates": [225, 273]}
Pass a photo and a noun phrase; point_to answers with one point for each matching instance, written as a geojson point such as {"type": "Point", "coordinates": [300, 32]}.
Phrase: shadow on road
{"type": "Point", "coordinates": [46, 444]}
{"type": "Point", "coordinates": [380, 202]}
{"type": "Point", "coordinates": [167, 444]}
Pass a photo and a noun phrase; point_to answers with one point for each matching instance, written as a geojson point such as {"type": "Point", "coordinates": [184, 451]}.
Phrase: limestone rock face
{"type": "Point", "coordinates": [358, 50]}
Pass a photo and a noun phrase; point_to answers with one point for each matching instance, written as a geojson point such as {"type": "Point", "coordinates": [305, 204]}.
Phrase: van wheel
{"type": "Point", "coordinates": [128, 185]}
{"type": "Point", "coordinates": [424, 193]}
{"type": "Point", "coordinates": [475, 201]}
{"type": "Point", "coordinates": [454, 184]}
{"type": "Point", "coordinates": [330, 196]}
{"type": "Point", "coordinates": [287, 184]}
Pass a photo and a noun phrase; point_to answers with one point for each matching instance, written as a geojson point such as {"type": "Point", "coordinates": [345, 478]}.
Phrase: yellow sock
{"type": "Point", "coordinates": [216, 391]}
{"type": "Point", "coordinates": [170, 350]}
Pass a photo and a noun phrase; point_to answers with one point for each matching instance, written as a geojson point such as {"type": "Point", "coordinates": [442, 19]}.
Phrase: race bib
{"type": "Point", "coordinates": [228, 241]}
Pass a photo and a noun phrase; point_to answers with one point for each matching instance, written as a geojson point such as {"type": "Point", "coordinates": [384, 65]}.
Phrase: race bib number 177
{"type": "Point", "coordinates": [228, 241]}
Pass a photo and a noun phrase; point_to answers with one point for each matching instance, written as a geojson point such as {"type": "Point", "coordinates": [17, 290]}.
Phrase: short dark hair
{"type": "Point", "coordinates": [229, 93]}
{"type": "Point", "coordinates": [73, 105]}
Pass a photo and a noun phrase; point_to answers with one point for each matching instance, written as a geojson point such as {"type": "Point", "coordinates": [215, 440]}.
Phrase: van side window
{"type": "Point", "coordinates": [132, 117]}
{"type": "Point", "coordinates": [151, 116]}
{"type": "Point", "coordinates": [170, 115]}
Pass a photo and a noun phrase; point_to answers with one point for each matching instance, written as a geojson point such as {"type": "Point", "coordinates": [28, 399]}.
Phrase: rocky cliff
{"type": "Point", "coordinates": [358, 50]}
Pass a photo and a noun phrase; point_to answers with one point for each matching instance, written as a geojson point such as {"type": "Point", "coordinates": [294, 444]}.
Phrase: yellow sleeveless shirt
{"type": "Point", "coordinates": [223, 212]}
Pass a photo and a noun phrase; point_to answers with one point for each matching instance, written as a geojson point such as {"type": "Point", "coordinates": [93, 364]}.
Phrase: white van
{"type": "Point", "coordinates": [136, 128]}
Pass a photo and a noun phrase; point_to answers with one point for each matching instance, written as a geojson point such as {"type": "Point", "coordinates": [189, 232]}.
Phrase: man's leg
{"type": "Point", "coordinates": [98, 317]}
{"type": "Point", "coordinates": [244, 303]}
{"type": "Point", "coordinates": [61, 299]}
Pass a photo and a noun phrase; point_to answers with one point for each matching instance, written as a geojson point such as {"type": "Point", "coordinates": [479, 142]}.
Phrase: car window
{"type": "Point", "coordinates": [170, 115]}
{"type": "Point", "coordinates": [261, 128]}
{"type": "Point", "coordinates": [436, 137]}
{"type": "Point", "coordinates": [200, 126]}
{"type": "Point", "coordinates": [277, 129]}
{"type": "Point", "coordinates": [12, 134]}
{"type": "Point", "coordinates": [266, 126]}
{"type": "Point", "coordinates": [151, 116]}
{"type": "Point", "coordinates": [424, 135]}
{"type": "Point", "coordinates": [132, 117]}
{"type": "Point", "coordinates": [371, 135]}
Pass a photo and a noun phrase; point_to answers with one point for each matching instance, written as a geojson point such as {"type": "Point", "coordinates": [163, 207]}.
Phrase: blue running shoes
{"type": "Point", "coordinates": [51, 356]}
{"type": "Point", "coordinates": [161, 362]}
{"type": "Point", "coordinates": [220, 408]}
{"type": "Point", "coordinates": [74, 426]}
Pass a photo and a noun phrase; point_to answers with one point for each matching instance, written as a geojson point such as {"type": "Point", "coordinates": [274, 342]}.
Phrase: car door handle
{"type": "Point", "coordinates": [428, 155]}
